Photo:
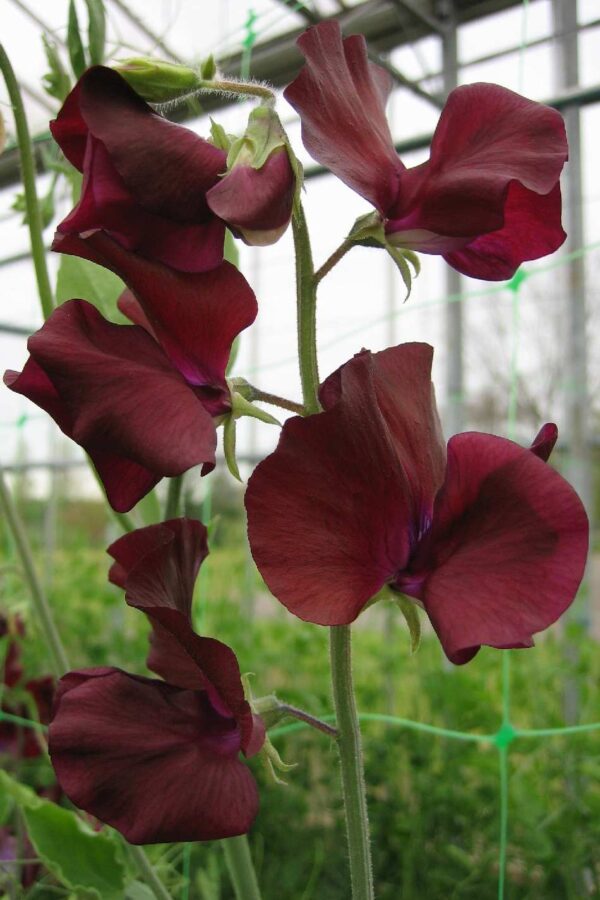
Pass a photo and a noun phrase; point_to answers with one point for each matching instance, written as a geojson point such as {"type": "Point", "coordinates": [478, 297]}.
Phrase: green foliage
{"type": "Point", "coordinates": [74, 42]}
{"type": "Point", "coordinates": [96, 31]}
{"type": "Point", "coordinates": [86, 861]}
{"type": "Point", "coordinates": [81, 279]}
{"type": "Point", "coordinates": [56, 81]}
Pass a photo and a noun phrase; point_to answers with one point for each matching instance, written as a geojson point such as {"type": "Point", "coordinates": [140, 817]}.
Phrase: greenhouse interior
{"type": "Point", "coordinates": [300, 449]}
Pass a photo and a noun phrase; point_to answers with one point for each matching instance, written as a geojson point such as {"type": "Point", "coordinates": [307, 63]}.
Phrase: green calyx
{"type": "Point", "coordinates": [368, 231]}
{"type": "Point", "coordinates": [263, 136]}
{"type": "Point", "coordinates": [240, 406]}
{"type": "Point", "coordinates": [158, 81]}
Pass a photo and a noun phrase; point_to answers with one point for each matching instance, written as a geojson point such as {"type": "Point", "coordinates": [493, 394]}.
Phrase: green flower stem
{"type": "Point", "coordinates": [275, 400]}
{"type": "Point", "coordinates": [60, 663]}
{"type": "Point", "coordinates": [173, 497]}
{"type": "Point", "coordinates": [306, 311]}
{"type": "Point", "coordinates": [241, 869]}
{"type": "Point", "coordinates": [148, 873]}
{"type": "Point", "coordinates": [349, 744]}
{"type": "Point", "coordinates": [239, 88]}
{"type": "Point", "coordinates": [333, 260]}
{"type": "Point", "coordinates": [353, 781]}
{"type": "Point", "coordinates": [34, 217]}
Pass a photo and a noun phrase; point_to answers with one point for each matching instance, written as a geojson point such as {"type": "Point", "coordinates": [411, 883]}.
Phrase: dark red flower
{"type": "Point", "coordinates": [159, 760]}
{"type": "Point", "coordinates": [146, 181]}
{"type": "Point", "coordinates": [487, 199]}
{"type": "Point", "coordinates": [142, 405]}
{"type": "Point", "coordinates": [487, 537]}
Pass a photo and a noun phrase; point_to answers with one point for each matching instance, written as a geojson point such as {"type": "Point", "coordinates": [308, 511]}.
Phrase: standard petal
{"type": "Point", "coordinates": [195, 317]}
{"type": "Point", "coordinates": [406, 400]}
{"type": "Point", "coordinates": [544, 441]}
{"type": "Point", "coordinates": [112, 389]}
{"type": "Point", "coordinates": [106, 203]}
{"type": "Point", "coordinates": [532, 229]}
{"type": "Point", "coordinates": [168, 168]}
{"type": "Point", "coordinates": [329, 512]}
{"type": "Point", "coordinates": [340, 97]}
{"type": "Point", "coordinates": [508, 547]}
{"type": "Point", "coordinates": [487, 140]}
{"type": "Point", "coordinates": [158, 763]}
{"type": "Point", "coordinates": [257, 203]}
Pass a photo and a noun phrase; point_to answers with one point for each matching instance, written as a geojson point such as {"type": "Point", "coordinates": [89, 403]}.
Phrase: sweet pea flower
{"type": "Point", "coordinates": [148, 182]}
{"type": "Point", "coordinates": [140, 399]}
{"type": "Point", "coordinates": [484, 535]}
{"type": "Point", "coordinates": [159, 760]}
{"type": "Point", "coordinates": [487, 199]}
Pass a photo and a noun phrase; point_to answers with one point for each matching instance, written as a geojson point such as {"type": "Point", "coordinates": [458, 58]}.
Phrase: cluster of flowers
{"type": "Point", "coordinates": [483, 534]}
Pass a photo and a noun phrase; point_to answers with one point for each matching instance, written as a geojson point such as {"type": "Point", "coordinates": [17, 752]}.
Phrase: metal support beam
{"type": "Point", "coordinates": [144, 29]}
{"type": "Point", "coordinates": [430, 21]}
{"type": "Point", "coordinates": [454, 406]}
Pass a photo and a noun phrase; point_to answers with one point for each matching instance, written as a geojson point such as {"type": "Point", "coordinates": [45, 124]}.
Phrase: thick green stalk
{"type": "Point", "coordinates": [241, 869]}
{"type": "Point", "coordinates": [173, 497]}
{"type": "Point", "coordinates": [34, 217]}
{"type": "Point", "coordinates": [353, 780]}
{"type": "Point", "coordinates": [306, 310]}
{"type": "Point", "coordinates": [60, 663]}
{"type": "Point", "coordinates": [349, 744]}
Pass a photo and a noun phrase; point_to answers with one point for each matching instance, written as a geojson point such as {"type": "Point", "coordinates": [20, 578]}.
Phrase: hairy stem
{"type": "Point", "coordinates": [241, 870]}
{"type": "Point", "coordinates": [34, 216]}
{"type": "Point", "coordinates": [303, 716]}
{"type": "Point", "coordinates": [333, 260]}
{"type": "Point", "coordinates": [240, 88]}
{"type": "Point", "coordinates": [275, 400]}
{"type": "Point", "coordinates": [353, 781]}
{"type": "Point", "coordinates": [306, 307]}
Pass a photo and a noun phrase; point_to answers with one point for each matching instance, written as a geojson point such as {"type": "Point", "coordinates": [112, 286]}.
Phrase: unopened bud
{"type": "Point", "coordinates": [156, 80]}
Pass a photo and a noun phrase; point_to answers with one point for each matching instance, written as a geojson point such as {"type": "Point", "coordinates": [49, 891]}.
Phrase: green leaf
{"type": "Point", "coordinates": [402, 266]}
{"type": "Point", "coordinates": [56, 82]}
{"type": "Point", "coordinates": [74, 42]}
{"type": "Point", "coordinates": [83, 280]}
{"type": "Point", "coordinates": [96, 31]}
{"type": "Point", "coordinates": [229, 446]}
{"type": "Point", "coordinates": [85, 861]}
{"type": "Point", "coordinates": [410, 612]}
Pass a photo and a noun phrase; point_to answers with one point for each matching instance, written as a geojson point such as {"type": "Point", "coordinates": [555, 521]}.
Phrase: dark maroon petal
{"type": "Point", "coordinates": [69, 129]}
{"type": "Point", "coordinates": [157, 566]}
{"type": "Point", "coordinates": [106, 203]}
{"type": "Point", "coordinates": [112, 389]}
{"type": "Point", "coordinates": [340, 97]}
{"type": "Point", "coordinates": [508, 547]}
{"type": "Point", "coordinates": [494, 158]}
{"type": "Point", "coordinates": [195, 317]}
{"type": "Point", "coordinates": [167, 168]}
{"type": "Point", "coordinates": [158, 763]}
{"type": "Point", "coordinates": [329, 512]}
{"type": "Point", "coordinates": [532, 229]}
{"type": "Point", "coordinates": [130, 307]}
{"type": "Point", "coordinates": [257, 203]}
{"type": "Point", "coordinates": [405, 397]}
{"type": "Point", "coordinates": [544, 441]}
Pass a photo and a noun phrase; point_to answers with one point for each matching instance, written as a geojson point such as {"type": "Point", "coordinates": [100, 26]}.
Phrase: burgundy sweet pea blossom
{"type": "Point", "coordinates": [487, 199]}
{"type": "Point", "coordinates": [148, 182]}
{"type": "Point", "coordinates": [159, 760]}
{"type": "Point", "coordinates": [484, 535]}
{"type": "Point", "coordinates": [141, 399]}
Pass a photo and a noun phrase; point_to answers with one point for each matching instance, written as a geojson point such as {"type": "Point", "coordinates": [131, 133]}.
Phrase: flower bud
{"type": "Point", "coordinates": [157, 81]}
{"type": "Point", "coordinates": [256, 195]}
